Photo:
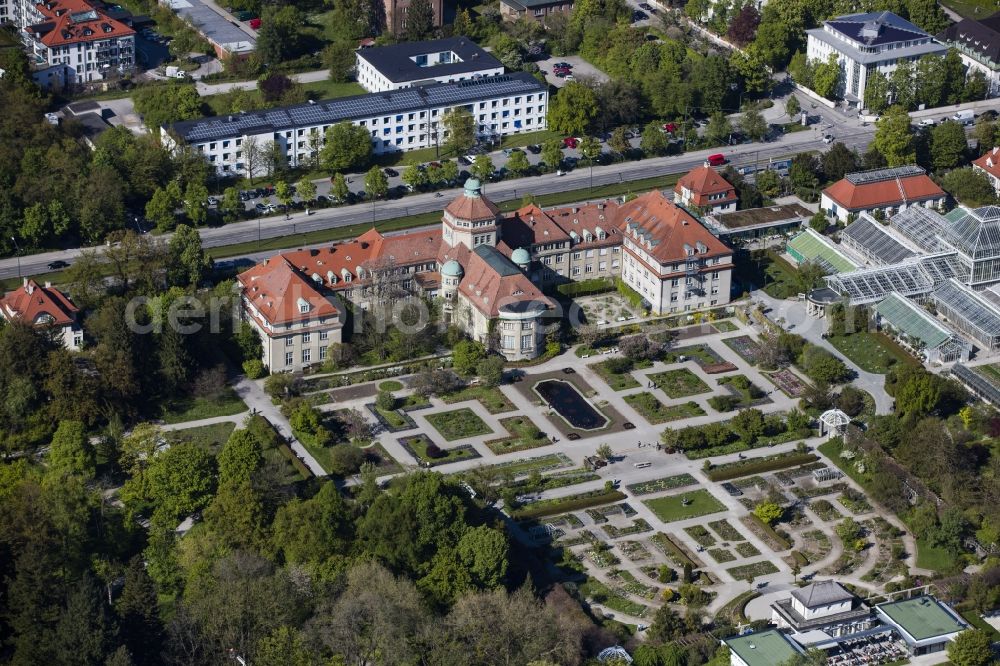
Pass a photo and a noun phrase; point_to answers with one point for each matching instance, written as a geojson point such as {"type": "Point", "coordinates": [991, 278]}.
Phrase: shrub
{"type": "Point", "coordinates": [346, 460]}
{"type": "Point", "coordinates": [385, 400]}
{"type": "Point", "coordinates": [254, 368]}
{"type": "Point", "coordinates": [723, 403]}
{"type": "Point", "coordinates": [434, 451]}
{"type": "Point", "coordinates": [739, 468]}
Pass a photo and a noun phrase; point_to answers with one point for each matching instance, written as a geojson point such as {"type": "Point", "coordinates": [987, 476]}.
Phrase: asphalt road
{"type": "Point", "coordinates": [580, 179]}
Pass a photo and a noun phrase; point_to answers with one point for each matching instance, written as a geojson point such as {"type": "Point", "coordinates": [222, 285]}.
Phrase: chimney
{"type": "Point", "coordinates": [575, 210]}
{"type": "Point", "coordinates": [29, 287]}
{"type": "Point", "coordinates": [48, 285]}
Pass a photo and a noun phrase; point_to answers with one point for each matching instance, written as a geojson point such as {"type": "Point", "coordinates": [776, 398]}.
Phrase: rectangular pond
{"type": "Point", "coordinates": [567, 401]}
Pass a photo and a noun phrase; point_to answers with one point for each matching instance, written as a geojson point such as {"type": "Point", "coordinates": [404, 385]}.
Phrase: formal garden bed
{"type": "Point", "coordinates": [631, 585]}
{"type": "Point", "coordinates": [742, 394]}
{"type": "Point", "coordinates": [431, 455]}
{"type": "Point", "coordinates": [600, 593]}
{"type": "Point", "coordinates": [679, 383]}
{"type": "Point", "coordinates": [700, 535]}
{"type": "Point", "coordinates": [493, 399]}
{"type": "Point", "coordinates": [602, 513]}
{"type": "Point", "coordinates": [721, 555]}
{"type": "Point", "coordinates": [568, 521]}
{"type": "Point", "coordinates": [638, 526]}
{"type": "Point", "coordinates": [655, 412]}
{"type": "Point", "coordinates": [397, 419]}
{"type": "Point", "coordinates": [890, 551]}
{"type": "Point", "coordinates": [814, 545]}
{"type": "Point", "coordinates": [616, 372]}
{"type": "Point", "coordinates": [524, 435]}
{"type": "Point", "coordinates": [546, 463]}
{"type": "Point", "coordinates": [210, 437]}
{"type": "Point", "coordinates": [751, 466]}
{"type": "Point", "coordinates": [855, 502]}
{"type": "Point", "coordinates": [701, 354]}
{"type": "Point", "coordinates": [826, 510]}
{"type": "Point", "coordinates": [788, 383]}
{"type": "Point", "coordinates": [601, 556]}
{"type": "Point", "coordinates": [747, 549]}
{"type": "Point", "coordinates": [530, 484]}
{"type": "Point", "coordinates": [750, 572]}
{"type": "Point", "coordinates": [725, 326]}
{"type": "Point", "coordinates": [686, 505]}
{"type": "Point", "coordinates": [746, 347]}
{"type": "Point", "coordinates": [726, 531]}
{"type": "Point", "coordinates": [673, 550]}
{"type": "Point", "coordinates": [635, 551]}
{"type": "Point", "coordinates": [576, 502]}
{"type": "Point", "coordinates": [766, 533]}
{"type": "Point", "coordinates": [458, 424]}
{"type": "Point", "coordinates": [658, 485]}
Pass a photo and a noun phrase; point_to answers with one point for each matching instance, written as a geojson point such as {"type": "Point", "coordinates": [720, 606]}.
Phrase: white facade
{"type": "Point", "coordinates": [688, 285]}
{"type": "Point", "coordinates": [864, 43]}
{"type": "Point", "coordinates": [374, 80]}
{"type": "Point", "coordinates": [224, 141]}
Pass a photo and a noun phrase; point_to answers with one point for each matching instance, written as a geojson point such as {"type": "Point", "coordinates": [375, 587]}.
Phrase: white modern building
{"type": "Point", "coordinates": [71, 41]}
{"type": "Point", "coordinates": [670, 258]}
{"type": "Point", "coordinates": [978, 43]}
{"type": "Point", "coordinates": [398, 120]}
{"type": "Point", "coordinates": [408, 64]}
{"type": "Point", "coordinates": [865, 43]}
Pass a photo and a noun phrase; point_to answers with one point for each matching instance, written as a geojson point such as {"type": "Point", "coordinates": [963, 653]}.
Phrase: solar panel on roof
{"type": "Point", "coordinates": [879, 175]}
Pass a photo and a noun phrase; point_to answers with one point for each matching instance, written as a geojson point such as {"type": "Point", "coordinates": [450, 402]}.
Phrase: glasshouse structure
{"type": "Point", "coordinates": [920, 260]}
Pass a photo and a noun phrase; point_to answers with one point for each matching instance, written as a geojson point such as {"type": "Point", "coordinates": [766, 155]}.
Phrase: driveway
{"type": "Point", "coordinates": [581, 69]}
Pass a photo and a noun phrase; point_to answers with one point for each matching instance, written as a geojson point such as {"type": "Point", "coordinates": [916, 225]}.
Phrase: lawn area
{"type": "Point", "coordinates": [654, 411]}
{"type": "Point", "coordinates": [212, 437]}
{"type": "Point", "coordinates": [524, 434]}
{"type": "Point", "coordinates": [392, 417]}
{"type": "Point", "coordinates": [329, 89]}
{"type": "Point", "coordinates": [492, 399]}
{"type": "Point", "coordinates": [933, 558]}
{"type": "Point", "coordinates": [429, 453]}
{"type": "Point", "coordinates": [768, 270]}
{"type": "Point", "coordinates": [724, 326]}
{"type": "Point", "coordinates": [194, 409]}
{"type": "Point", "coordinates": [672, 507]}
{"type": "Point", "coordinates": [974, 9]}
{"type": "Point", "coordinates": [871, 351]}
{"type": "Point", "coordinates": [679, 383]}
{"type": "Point", "coordinates": [610, 372]}
{"type": "Point", "coordinates": [390, 385]}
{"type": "Point", "coordinates": [458, 424]}
{"type": "Point", "coordinates": [600, 593]}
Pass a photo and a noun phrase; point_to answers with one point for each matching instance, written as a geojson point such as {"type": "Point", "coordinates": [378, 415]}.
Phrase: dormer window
{"type": "Point", "coordinates": [303, 306]}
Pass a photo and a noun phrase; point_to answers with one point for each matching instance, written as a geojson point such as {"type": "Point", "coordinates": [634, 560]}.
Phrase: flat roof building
{"type": "Point", "coordinates": [220, 31]}
{"type": "Point", "coordinates": [925, 624]}
{"type": "Point", "coordinates": [397, 120]}
{"type": "Point", "coordinates": [864, 43]}
{"type": "Point", "coordinates": [537, 10]}
{"type": "Point", "coordinates": [755, 223]}
{"type": "Point", "coordinates": [404, 65]}
{"type": "Point", "coordinates": [765, 648]}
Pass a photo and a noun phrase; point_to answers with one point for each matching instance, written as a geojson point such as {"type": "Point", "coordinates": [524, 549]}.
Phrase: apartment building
{"type": "Point", "coordinates": [669, 258]}
{"type": "Point", "coordinates": [978, 44]}
{"type": "Point", "coordinates": [396, 11]}
{"type": "Point", "coordinates": [44, 307]}
{"type": "Point", "coordinates": [865, 43]}
{"type": "Point", "coordinates": [404, 65]}
{"type": "Point", "coordinates": [398, 120]}
{"type": "Point", "coordinates": [71, 41]}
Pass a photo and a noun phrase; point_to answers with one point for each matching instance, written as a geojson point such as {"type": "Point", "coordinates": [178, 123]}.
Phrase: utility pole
{"type": "Point", "coordinates": [17, 253]}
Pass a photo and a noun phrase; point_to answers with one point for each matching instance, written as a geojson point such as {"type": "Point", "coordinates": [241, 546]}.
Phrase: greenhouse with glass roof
{"type": "Point", "coordinates": [968, 312]}
{"type": "Point", "coordinates": [874, 243]}
{"type": "Point", "coordinates": [916, 276]}
{"type": "Point", "coordinates": [975, 235]}
{"type": "Point", "coordinates": [811, 247]}
{"type": "Point", "coordinates": [920, 331]}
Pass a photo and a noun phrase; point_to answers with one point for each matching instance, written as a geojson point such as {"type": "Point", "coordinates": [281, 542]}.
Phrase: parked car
{"type": "Point", "coordinates": [534, 149]}
{"type": "Point", "coordinates": [57, 264]}
{"type": "Point", "coordinates": [260, 208]}
{"type": "Point", "coordinates": [392, 173]}
{"type": "Point", "coordinates": [717, 159]}
{"type": "Point", "coordinates": [638, 15]}
{"type": "Point", "coordinates": [212, 201]}
{"type": "Point", "coordinates": [570, 142]}
{"type": "Point", "coordinates": [561, 65]}
{"type": "Point", "coordinates": [670, 127]}
{"type": "Point", "coordinates": [828, 139]}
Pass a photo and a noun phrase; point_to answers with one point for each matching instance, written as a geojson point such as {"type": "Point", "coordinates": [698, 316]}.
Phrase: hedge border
{"type": "Point", "coordinates": [730, 471]}
{"type": "Point", "coordinates": [569, 503]}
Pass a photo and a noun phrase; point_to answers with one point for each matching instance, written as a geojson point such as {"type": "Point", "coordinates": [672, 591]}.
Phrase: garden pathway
{"type": "Point", "coordinates": [183, 425]}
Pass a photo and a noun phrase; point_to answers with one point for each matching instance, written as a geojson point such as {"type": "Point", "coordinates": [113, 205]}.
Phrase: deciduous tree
{"type": "Point", "coordinates": [348, 147]}
{"type": "Point", "coordinates": [459, 130]}
{"type": "Point", "coordinates": [893, 138]}
{"type": "Point", "coordinates": [572, 109]}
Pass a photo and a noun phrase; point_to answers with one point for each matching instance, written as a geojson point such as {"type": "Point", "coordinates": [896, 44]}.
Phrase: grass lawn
{"type": "Point", "coordinates": [418, 446]}
{"type": "Point", "coordinates": [329, 89]}
{"type": "Point", "coordinates": [194, 409]}
{"type": "Point", "coordinates": [975, 9]}
{"type": "Point", "coordinates": [619, 381]}
{"type": "Point", "coordinates": [679, 383]}
{"type": "Point", "coordinates": [392, 417]}
{"type": "Point", "coordinates": [724, 326]}
{"type": "Point", "coordinates": [524, 434]}
{"type": "Point", "coordinates": [768, 270]}
{"type": "Point", "coordinates": [492, 399]}
{"type": "Point", "coordinates": [458, 424]}
{"type": "Point", "coordinates": [654, 411]}
{"type": "Point", "coordinates": [390, 385]}
{"type": "Point", "coordinates": [871, 351]}
{"type": "Point", "coordinates": [211, 437]}
{"type": "Point", "coordinates": [671, 508]}
{"type": "Point", "coordinates": [931, 557]}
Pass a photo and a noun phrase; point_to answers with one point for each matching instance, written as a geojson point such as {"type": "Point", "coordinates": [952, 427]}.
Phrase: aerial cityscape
{"type": "Point", "coordinates": [511, 333]}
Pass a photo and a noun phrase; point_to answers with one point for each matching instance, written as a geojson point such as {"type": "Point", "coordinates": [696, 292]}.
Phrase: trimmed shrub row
{"type": "Point", "coordinates": [740, 468]}
{"type": "Point", "coordinates": [564, 504]}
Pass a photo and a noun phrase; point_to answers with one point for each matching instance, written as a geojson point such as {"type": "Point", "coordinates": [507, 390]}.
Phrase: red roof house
{"type": "Point", "coordinates": [43, 307]}
{"type": "Point", "coordinates": [705, 189]}
{"type": "Point", "coordinates": [885, 190]}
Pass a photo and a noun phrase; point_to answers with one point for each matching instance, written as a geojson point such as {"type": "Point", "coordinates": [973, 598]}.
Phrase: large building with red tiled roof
{"type": "Point", "coordinates": [705, 189]}
{"type": "Point", "coordinates": [887, 190]}
{"type": "Point", "coordinates": [72, 41]}
{"type": "Point", "coordinates": [490, 270]}
{"type": "Point", "coordinates": [989, 164]}
{"type": "Point", "coordinates": [296, 321]}
{"type": "Point", "coordinates": [670, 258]}
{"type": "Point", "coordinates": [45, 307]}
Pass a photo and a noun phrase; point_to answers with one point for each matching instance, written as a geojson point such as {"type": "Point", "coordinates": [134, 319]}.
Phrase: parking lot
{"type": "Point", "coordinates": [581, 69]}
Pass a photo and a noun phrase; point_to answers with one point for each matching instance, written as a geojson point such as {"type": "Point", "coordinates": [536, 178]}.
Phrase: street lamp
{"type": "Point", "coordinates": [17, 254]}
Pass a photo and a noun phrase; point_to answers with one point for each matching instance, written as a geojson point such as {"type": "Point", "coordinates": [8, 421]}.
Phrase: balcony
{"type": "Point", "coordinates": [691, 268]}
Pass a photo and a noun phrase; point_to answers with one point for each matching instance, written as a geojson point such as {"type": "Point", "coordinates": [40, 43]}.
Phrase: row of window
{"type": "Point", "coordinates": [306, 338]}
{"type": "Point", "coordinates": [527, 342]}
{"type": "Point", "coordinates": [306, 356]}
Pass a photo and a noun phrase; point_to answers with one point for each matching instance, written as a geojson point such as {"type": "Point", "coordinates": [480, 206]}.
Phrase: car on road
{"type": "Point", "coordinates": [392, 173]}
{"type": "Point", "coordinates": [507, 152]}
{"type": "Point", "coordinates": [534, 149]}
{"type": "Point", "coordinates": [57, 264]}
{"type": "Point", "coordinates": [571, 142]}
{"type": "Point", "coordinates": [926, 122]}
{"type": "Point", "coordinates": [717, 159]}
{"type": "Point", "coordinates": [828, 138]}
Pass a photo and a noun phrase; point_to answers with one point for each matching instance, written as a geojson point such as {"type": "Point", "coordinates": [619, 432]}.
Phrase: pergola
{"type": "Point", "coordinates": [833, 422]}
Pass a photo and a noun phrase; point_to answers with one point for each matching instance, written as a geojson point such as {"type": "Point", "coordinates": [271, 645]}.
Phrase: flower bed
{"type": "Point", "coordinates": [825, 510]}
{"type": "Point", "coordinates": [747, 549]}
{"type": "Point", "coordinates": [524, 435]}
{"type": "Point", "coordinates": [679, 383]}
{"type": "Point", "coordinates": [602, 558]}
{"type": "Point", "coordinates": [855, 502]}
{"type": "Point", "coordinates": [746, 347]}
{"type": "Point", "coordinates": [749, 572]}
{"type": "Point", "coordinates": [430, 454]}
{"type": "Point", "coordinates": [650, 408]}
{"type": "Point", "coordinates": [701, 354]}
{"type": "Point", "coordinates": [701, 536]}
{"type": "Point", "coordinates": [719, 368]}
{"type": "Point", "coordinates": [666, 545]}
{"type": "Point", "coordinates": [721, 555]}
{"type": "Point", "coordinates": [788, 383]}
{"type": "Point", "coordinates": [458, 424]}
{"type": "Point", "coordinates": [540, 464]}
{"type": "Point", "coordinates": [393, 420]}
{"type": "Point", "coordinates": [638, 526]}
{"type": "Point", "coordinates": [634, 550]}
{"type": "Point", "coordinates": [665, 483]}
{"type": "Point", "coordinates": [750, 466]}
{"type": "Point", "coordinates": [493, 399]}
{"type": "Point", "coordinates": [726, 531]}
